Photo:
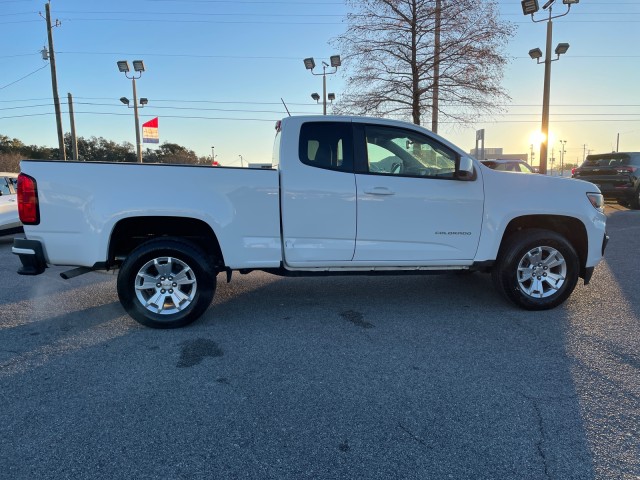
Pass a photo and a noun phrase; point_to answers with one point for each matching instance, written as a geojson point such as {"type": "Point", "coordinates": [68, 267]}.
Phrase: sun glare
{"type": "Point", "coordinates": [536, 138]}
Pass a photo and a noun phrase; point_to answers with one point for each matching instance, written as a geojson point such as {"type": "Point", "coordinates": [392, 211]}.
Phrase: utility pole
{"type": "Point", "coordinates": [584, 152]}
{"type": "Point", "coordinates": [618, 144]}
{"type": "Point", "coordinates": [436, 71]}
{"type": "Point", "coordinates": [54, 81]}
{"type": "Point", "coordinates": [74, 139]}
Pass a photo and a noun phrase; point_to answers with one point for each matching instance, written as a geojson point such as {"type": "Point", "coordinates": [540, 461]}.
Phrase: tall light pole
{"type": "Point", "coordinates": [532, 156]}
{"type": "Point", "coordinates": [310, 64]}
{"type": "Point", "coordinates": [529, 7]}
{"type": "Point", "coordinates": [138, 66]}
{"type": "Point", "coordinates": [563, 143]}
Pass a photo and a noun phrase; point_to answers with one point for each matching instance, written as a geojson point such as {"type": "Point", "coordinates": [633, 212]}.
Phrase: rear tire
{"type": "Point", "coordinates": [536, 269]}
{"type": "Point", "coordinates": [166, 283]}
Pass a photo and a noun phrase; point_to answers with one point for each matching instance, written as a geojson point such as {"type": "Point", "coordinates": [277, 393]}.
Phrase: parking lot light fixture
{"type": "Point", "coordinates": [535, 53]}
{"type": "Point", "coordinates": [315, 96]}
{"type": "Point", "coordinates": [529, 7]}
{"type": "Point", "coordinates": [570, 2]}
{"type": "Point", "coordinates": [123, 66]}
{"type": "Point", "coordinates": [310, 64]}
{"type": "Point", "coordinates": [562, 48]}
{"type": "Point", "coordinates": [138, 65]}
{"type": "Point", "coordinates": [331, 97]}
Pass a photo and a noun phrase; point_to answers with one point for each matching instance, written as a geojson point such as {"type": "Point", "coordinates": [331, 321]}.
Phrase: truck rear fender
{"type": "Point", "coordinates": [571, 228]}
{"type": "Point", "coordinates": [130, 232]}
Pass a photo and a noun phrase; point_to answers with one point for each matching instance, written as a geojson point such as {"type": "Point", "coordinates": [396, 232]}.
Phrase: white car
{"type": "Point", "coordinates": [9, 221]}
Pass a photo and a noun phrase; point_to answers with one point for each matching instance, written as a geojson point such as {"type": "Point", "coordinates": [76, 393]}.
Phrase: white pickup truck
{"type": "Point", "coordinates": [345, 195]}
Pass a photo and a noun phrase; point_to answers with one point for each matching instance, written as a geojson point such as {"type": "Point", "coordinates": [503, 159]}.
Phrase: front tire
{"type": "Point", "coordinates": [166, 283]}
{"type": "Point", "coordinates": [635, 200]}
{"type": "Point", "coordinates": [536, 269]}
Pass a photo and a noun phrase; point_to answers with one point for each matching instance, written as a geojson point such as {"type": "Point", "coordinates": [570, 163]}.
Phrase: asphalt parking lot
{"type": "Point", "coordinates": [345, 377]}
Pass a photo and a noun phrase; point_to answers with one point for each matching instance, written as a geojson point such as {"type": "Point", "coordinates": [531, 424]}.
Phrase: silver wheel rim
{"type": "Point", "coordinates": [165, 285]}
{"type": "Point", "coordinates": [541, 272]}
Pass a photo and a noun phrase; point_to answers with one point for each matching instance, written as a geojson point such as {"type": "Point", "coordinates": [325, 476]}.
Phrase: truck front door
{"type": "Point", "coordinates": [411, 208]}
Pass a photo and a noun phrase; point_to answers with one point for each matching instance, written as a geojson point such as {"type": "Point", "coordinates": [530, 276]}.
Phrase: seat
{"type": "Point", "coordinates": [324, 155]}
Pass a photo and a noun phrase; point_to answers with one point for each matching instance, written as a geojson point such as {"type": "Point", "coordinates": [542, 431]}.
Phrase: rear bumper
{"type": "Point", "coordinates": [31, 256]}
{"type": "Point", "coordinates": [614, 190]}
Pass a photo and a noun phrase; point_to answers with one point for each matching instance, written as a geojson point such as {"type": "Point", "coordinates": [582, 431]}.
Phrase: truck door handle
{"type": "Point", "coordinates": [379, 191]}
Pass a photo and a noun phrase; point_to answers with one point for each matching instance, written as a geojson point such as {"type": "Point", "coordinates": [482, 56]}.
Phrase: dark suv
{"type": "Point", "coordinates": [616, 174]}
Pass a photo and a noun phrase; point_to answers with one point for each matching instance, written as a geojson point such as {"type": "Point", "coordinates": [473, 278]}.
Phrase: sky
{"type": "Point", "coordinates": [217, 72]}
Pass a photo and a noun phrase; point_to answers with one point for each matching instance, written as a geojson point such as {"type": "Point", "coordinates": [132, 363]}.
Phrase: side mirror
{"type": "Point", "coordinates": [465, 170]}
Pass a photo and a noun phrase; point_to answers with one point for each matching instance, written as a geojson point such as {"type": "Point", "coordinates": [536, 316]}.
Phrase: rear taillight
{"type": "Point", "coordinates": [626, 169]}
{"type": "Point", "coordinates": [28, 207]}
{"type": "Point", "coordinates": [574, 170]}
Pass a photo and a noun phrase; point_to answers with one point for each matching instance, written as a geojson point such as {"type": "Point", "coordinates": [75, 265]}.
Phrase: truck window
{"type": "Point", "coordinates": [327, 145]}
{"type": "Point", "coordinates": [395, 151]}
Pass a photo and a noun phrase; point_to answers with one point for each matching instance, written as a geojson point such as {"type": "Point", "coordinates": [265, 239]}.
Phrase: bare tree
{"type": "Point", "coordinates": [392, 65]}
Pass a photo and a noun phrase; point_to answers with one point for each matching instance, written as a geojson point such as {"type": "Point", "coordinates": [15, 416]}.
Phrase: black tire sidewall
{"type": "Point", "coordinates": [635, 200]}
{"type": "Point", "coordinates": [185, 251]}
{"type": "Point", "coordinates": [505, 274]}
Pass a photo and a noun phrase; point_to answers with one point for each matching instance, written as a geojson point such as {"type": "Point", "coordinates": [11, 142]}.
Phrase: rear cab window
{"type": "Point", "coordinates": [327, 145]}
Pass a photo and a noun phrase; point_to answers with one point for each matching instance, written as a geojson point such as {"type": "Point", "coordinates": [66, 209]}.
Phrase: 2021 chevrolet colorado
{"type": "Point", "coordinates": [345, 195]}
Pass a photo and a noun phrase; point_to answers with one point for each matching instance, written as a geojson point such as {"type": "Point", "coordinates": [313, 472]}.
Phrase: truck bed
{"type": "Point", "coordinates": [85, 200]}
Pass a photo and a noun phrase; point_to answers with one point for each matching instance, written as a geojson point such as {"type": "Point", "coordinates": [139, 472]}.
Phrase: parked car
{"type": "Point", "coordinates": [9, 221]}
{"type": "Point", "coordinates": [617, 175]}
{"type": "Point", "coordinates": [509, 165]}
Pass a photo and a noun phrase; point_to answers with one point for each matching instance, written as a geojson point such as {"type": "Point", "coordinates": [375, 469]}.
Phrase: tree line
{"type": "Point", "coordinates": [95, 149]}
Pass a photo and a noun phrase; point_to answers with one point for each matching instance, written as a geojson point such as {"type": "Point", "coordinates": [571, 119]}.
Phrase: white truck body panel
{"type": "Point", "coordinates": [80, 203]}
{"type": "Point", "coordinates": [511, 195]}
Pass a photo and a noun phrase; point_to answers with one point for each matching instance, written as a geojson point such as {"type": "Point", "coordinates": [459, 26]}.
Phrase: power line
{"type": "Point", "coordinates": [193, 117]}
{"type": "Point", "coordinates": [249, 102]}
{"type": "Point", "coordinates": [250, 57]}
{"type": "Point", "coordinates": [22, 78]}
{"type": "Point", "coordinates": [282, 2]}
{"type": "Point", "coordinates": [236, 110]}
{"type": "Point", "coordinates": [173, 20]}
{"type": "Point", "coordinates": [206, 14]}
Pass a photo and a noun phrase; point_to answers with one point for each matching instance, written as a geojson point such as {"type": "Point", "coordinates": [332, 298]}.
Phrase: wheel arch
{"type": "Point", "coordinates": [569, 227]}
{"type": "Point", "coordinates": [131, 232]}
